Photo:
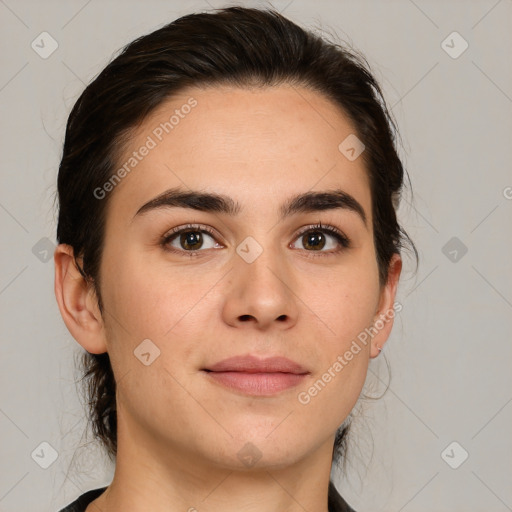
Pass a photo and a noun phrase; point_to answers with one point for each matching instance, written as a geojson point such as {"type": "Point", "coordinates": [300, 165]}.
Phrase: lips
{"type": "Point", "coordinates": [257, 377]}
{"type": "Point", "coordinates": [251, 364]}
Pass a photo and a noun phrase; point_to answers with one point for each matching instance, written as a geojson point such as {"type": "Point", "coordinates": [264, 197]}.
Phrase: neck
{"type": "Point", "coordinates": [149, 477]}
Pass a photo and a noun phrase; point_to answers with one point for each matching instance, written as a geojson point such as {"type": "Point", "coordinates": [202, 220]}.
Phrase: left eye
{"type": "Point", "coordinates": [317, 239]}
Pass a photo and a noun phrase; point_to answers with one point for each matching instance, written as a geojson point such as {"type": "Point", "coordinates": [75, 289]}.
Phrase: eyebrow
{"type": "Point", "coordinates": [307, 202]}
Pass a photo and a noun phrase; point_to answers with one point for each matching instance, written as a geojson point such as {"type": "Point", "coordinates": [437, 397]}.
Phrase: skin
{"type": "Point", "coordinates": [179, 433]}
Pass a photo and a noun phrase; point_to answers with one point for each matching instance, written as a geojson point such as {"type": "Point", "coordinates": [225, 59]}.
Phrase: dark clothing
{"type": "Point", "coordinates": [336, 502]}
{"type": "Point", "coordinates": [80, 504]}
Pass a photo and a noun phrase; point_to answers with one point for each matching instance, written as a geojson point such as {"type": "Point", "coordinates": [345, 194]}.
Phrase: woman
{"type": "Point", "coordinates": [228, 258]}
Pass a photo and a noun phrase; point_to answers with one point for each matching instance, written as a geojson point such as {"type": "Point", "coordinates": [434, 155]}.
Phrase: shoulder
{"type": "Point", "coordinates": [336, 503]}
{"type": "Point", "coordinates": [80, 504]}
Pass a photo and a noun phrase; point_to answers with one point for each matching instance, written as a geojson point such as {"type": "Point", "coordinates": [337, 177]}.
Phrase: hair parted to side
{"type": "Point", "coordinates": [243, 47]}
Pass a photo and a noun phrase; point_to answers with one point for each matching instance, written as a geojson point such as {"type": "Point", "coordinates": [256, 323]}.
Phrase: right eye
{"type": "Point", "coordinates": [189, 239]}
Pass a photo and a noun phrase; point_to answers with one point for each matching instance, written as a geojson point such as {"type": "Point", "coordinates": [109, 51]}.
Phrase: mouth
{"type": "Point", "coordinates": [257, 377]}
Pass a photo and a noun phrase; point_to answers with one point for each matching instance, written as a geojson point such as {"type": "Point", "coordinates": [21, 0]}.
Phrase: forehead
{"type": "Point", "coordinates": [251, 144]}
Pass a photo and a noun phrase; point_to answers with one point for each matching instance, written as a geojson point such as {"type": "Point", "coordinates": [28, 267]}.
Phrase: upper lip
{"type": "Point", "coordinates": [252, 364]}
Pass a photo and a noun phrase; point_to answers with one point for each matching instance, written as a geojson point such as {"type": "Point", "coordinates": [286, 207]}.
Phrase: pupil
{"type": "Point", "coordinates": [191, 238]}
{"type": "Point", "coordinates": [317, 239]}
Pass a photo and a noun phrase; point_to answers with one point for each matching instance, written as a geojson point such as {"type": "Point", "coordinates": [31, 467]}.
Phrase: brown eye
{"type": "Point", "coordinates": [192, 240]}
{"type": "Point", "coordinates": [189, 239]}
{"type": "Point", "coordinates": [317, 238]}
{"type": "Point", "coordinates": [314, 240]}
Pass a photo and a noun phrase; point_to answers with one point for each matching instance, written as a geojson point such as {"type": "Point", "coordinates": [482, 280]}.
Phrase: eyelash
{"type": "Point", "coordinates": [343, 240]}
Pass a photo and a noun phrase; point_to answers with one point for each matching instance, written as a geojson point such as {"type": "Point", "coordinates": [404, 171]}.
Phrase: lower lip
{"type": "Point", "coordinates": [257, 383]}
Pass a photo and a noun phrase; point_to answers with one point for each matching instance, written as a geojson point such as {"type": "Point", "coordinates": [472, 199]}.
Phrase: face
{"type": "Point", "coordinates": [253, 274]}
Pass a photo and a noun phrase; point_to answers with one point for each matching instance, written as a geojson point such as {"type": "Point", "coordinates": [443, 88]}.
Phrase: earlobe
{"type": "Point", "coordinates": [77, 302]}
{"type": "Point", "coordinates": [385, 314]}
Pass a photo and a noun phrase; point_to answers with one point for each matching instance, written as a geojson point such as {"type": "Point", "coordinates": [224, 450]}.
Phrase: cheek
{"type": "Point", "coordinates": [344, 302]}
{"type": "Point", "coordinates": [147, 302]}
{"type": "Point", "coordinates": [344, 308]}
{"type": "Point", "coordinates": [144, 303]}
{"type": "Point", "coordinates": [342, 351]}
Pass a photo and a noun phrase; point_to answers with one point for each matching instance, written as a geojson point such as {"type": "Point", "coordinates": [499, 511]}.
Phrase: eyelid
{"type": "Point", "coordinates": [187, 227]}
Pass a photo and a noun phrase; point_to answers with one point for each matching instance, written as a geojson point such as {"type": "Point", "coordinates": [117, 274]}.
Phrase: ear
{"type": "Point", "coordinates": [385, 313]}
{"type": "Point", "coordinates": [78, 302]}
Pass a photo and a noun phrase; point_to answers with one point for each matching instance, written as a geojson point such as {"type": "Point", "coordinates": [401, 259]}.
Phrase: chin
{"type": "Point", "coordinates": [253, 449]}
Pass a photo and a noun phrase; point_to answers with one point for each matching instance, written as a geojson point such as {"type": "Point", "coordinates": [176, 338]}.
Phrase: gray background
{"type": "Point", "coordinates": [450, 350]}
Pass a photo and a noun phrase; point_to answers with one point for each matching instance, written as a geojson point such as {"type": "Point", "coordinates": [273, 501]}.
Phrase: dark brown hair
{"type": "Point", "coordinates": [236, 46]}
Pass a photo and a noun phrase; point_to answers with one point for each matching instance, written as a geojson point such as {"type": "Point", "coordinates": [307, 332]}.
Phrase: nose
{"type": "Point", "coordinates": [261, 293]}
